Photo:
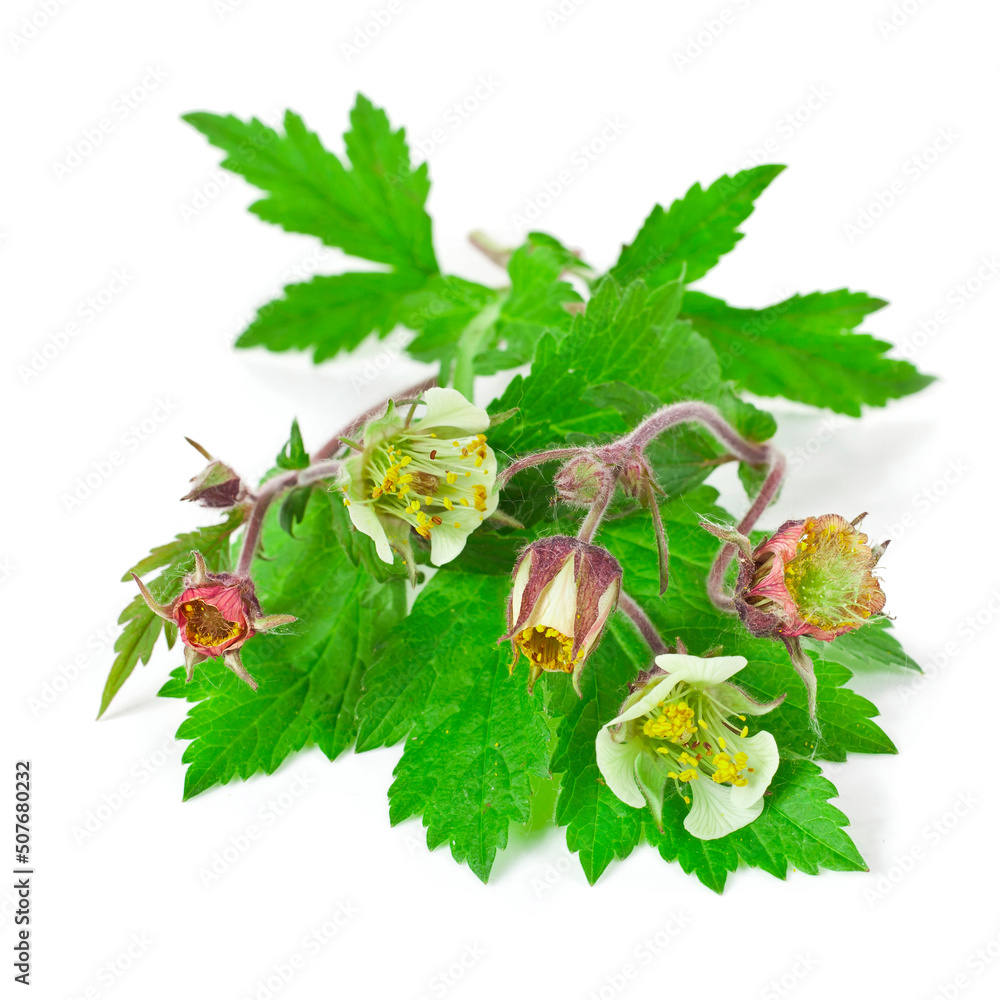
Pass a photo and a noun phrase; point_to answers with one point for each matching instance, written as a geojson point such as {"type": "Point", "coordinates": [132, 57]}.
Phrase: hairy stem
{"type": "Point", "coordinates": [597, 509]}
{"type": "Point", "coordinates": [540, 457]}
{"type": "Point", "coordinates": [698, 413]}
{"type": "Point", "coordinates": [642, 622]}
{"type": "Point", "coordinates": [326, 469]}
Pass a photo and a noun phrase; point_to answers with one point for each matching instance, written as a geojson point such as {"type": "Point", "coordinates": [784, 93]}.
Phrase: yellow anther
{"type": "Point", "coordinates": [450, 478]}
{"type": "Point", "coordinates": [674, 723]}
{"type": "Point", "coordinates": [722, 742]}
{"type": "Point", "coordinates": [689, 775]}
{"type": "Point", "coordinates": [405, 460]}
{"type": "Point", "coordinates": [744, 731]}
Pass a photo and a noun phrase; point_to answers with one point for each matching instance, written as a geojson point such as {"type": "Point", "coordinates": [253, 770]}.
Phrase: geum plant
{"type": "Point", "coordinates": [599, 645]}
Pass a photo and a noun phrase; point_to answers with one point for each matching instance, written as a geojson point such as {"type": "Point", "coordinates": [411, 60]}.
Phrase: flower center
{"type": "Point", "coordinates": [674, 723]}
{"type": "Point", "coordinates": [690, 731]}
{"type": "Point", "coordinates": [548, 648]}
{"type": "Point", "coordinates": [207, 626]}
{"type": "Point", "coordinates": [830, 577]}
{"type": "Point", "coordinates": [427, 482]}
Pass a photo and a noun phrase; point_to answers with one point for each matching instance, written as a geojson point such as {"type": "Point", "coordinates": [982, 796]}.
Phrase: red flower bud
{"type": "Point", "coordinates": [215, 615]}
{"type": "Point", "coordinates": [813, 577]}
{"type": "Point", "coordinates": [564, 593]}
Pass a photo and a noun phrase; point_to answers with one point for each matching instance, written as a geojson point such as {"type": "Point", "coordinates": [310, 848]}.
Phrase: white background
{"type": "Point", "coordinates": [159, 352]}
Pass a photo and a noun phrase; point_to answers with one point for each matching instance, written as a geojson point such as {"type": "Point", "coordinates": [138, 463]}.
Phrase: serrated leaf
{"type": "Point", "coordinates": [804, 349]}
{"type": "Point", "coordinates": [711, 861]}
{"type": "Point", "coordinates": [624, 356]}
{"type": "Point", "coordinates": [293, 508]}
{"type": "Point", "coordinates": [697, 230]}
{"type": "Point", "coordinates": [871, 647]}
{"type": "Point", "coordinates": [142, 626]}
{"type": "Point", "coordinates": [334, 313]}
{"type": "Point", "coordinates": [309, 675]}
{"type": "Point", "coordinates": [798, 826]}
{"type": "Point", "coordinates": [466, 772]}
{"type": "Point", "coordinates": [535, 305]}
{"type": "Point", "coordinates": [373, 208]}
{"type": "Point", "coordinates": [421, 675]}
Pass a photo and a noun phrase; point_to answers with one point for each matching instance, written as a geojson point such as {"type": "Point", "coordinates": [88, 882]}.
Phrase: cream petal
{"type": "Point", "coordinates": [702, 671]}
{"type": "Point", "coordinates": [556, 604]}
{"type": "Point", "coordinates": [763, 757]}
{"type": "Point", "coordinates": [713, 813]}
{"type": "Point", "coordinates": [520, 582]}
{"type": "Point", "coordinates": [646, 702]}
{"type": "Point", "coordinates": [449, 410]}
{"type": "Point", "coordinates": [447, 542]}
{"type": "Point", "coordinates": [367, 522]}
{"type": "Point", "coordinates": [616, 762]}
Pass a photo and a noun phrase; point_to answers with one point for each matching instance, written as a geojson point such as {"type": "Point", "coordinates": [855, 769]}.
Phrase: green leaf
{"type": "Point", "coordinates": [372, 208]}
{"type": "Point", "coordinates": [803, 349]}
{"type": "Point", "coordinates": [697, 230]}
{"type": "Point", "coordinates": [798, 826]}
{"type": "Point", "coordinates": [310, 674]}
{"type": "Point", "coordinates": [421, 675]}
{"type": "Point", "coordinates": [536, 305]}
{"type": "Point", "coordinates": [710, 860]}
{"type": "Point", "coordinates": [293, 455]}
{"type": "Point", "coordinates": [626, 355]}
{"type": "Point", "coordinates": [467, 770]}
{"type": "Point", "coordinates": [334, 313]}
{"type": "Point", "coordinates": [142, 626]}
{"type": "Point", "coordinates": [871, 647]}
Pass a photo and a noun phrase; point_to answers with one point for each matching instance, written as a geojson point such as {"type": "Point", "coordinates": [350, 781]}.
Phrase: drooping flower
{"type": "Point", "coordinates": [435, 475]}
{"type": "Point", "coordinates": [564, 592]}
{"type": "Point", "coordinates": [215, 614]}
{"type": "Point", "coordinates": [217, 485]}
{"type": "Point", "coordinates": [813, 577]}
{"type": "Point", "coordinates": [684, 732]}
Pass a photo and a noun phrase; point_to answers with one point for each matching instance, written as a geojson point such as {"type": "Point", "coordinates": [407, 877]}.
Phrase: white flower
{"type": "Point", "coordinates": [435, 474]}
{"type": "Point", "coordinates": [679, 730]}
